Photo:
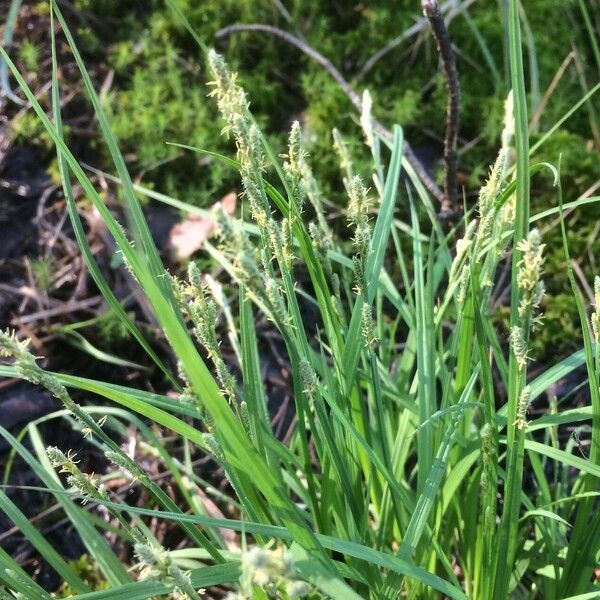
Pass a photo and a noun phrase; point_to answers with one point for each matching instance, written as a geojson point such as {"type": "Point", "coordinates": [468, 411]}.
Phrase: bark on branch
{"type": "Point", "coordinates": [431, 9]}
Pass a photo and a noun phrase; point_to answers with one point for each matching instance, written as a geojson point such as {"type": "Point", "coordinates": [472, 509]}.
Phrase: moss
{"type": "Point", "coordinates": [28, 130]}
{"type": "Point", "coordinates": [89, 571]}
{"type": "Point", "coordinates": [159, 89]}
{"type": "Point", "coordinates": [29, 54]}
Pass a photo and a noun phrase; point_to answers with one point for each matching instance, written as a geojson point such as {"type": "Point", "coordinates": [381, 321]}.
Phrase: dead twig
{"type": "Point", "coordinates": [539, 109]}
{"type": "Point", "coordinates": [432, 11]}
{"type": "Point", "coordinates": [344, 86]}
{"type": "Point", "coordinates": [63, 308]}
{"type": "Point", "coordinates": [451, 8]}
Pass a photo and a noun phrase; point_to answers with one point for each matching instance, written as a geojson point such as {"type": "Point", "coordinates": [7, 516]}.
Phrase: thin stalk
{"type": "Point", "coordinates": [507, 535]}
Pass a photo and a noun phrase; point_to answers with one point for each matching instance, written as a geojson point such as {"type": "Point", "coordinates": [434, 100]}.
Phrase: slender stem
{"type": "Point", "coordinates": [508, 531]}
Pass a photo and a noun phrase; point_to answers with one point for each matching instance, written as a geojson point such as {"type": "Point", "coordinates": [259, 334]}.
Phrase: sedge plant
{"type": "Point", "coordinates": [413, 468]}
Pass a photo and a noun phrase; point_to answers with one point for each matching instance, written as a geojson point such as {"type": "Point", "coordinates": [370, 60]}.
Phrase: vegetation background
{"type": "Point", "coordinates": [152, 83]}
{"type": "Point", "coordinates": [154, 90]}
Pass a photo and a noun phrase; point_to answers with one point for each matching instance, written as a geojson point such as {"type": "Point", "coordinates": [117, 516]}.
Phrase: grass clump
{"type": "Point", "coordinates": [414, 466]}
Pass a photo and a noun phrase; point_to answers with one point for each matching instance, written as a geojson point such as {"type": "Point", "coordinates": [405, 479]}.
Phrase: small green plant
{"type": "Point", "coordinates": [29, 53]}
{"type": "Point", "coordinates": [43, 273]}
{"type": "Point", "coordinates": [404, 474]}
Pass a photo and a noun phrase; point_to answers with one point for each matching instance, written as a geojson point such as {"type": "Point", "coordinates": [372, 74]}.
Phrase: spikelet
{"type": "Point", "coordinates": [367, 325]}
{"type": "Point", "coordinates": [234, 107]}
{"type": "Point", "coordinates": [519, 346]}
{"type": "Point", "coordinates": [127, 465]}
{"type": "Point", "coordinates": [203, 313]}
{"type": "Point", "coordinates": [10, 345]}
{"type": "Point", "coordinates": [366, 119]}
{"type": "Point", "coordinates": [276, 299]}
{"type": "Point", "coordinates": [488, 214]}
{"type": "Point", "coordinates": [529, 274]}
{"type": "Point", "coordinates": [263, 567]}
{"type": "Point", "coordinates": [344, 156]}
{"type": "Point", "coordinates": [155, 563]}
{"type": "Point", "coordinates": [85, 484]}
{"type": "Point", "coordinates": [231, 100]}
{"type": "Point", "coordinates": [308, 377]}
{"type": "Point", "coordinates": [267, 570]}
{"type": "Point", "coordinates": [358, 215]}
{"type": "Point", "coordinates": [531, 290]}
{"type": "Point", "coordinates": [524, 400]}
{"type": "Point", "coordinates": [294, 166]}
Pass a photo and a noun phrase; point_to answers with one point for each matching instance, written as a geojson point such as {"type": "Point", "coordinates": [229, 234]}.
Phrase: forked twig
{"type": "Point", "coordinates": [344, 86]}
{"type": "Point", "coordinates": [432, 11]}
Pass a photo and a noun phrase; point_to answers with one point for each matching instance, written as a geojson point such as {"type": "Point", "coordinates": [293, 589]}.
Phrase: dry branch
{"type": "Point", "coordinates": [432, 11]}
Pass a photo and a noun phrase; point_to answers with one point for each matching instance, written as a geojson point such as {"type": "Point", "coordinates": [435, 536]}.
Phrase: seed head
{"type": "Point", "coordinates": [366, 119]}
{"type": "Point", "coordinates": [368, 326]}
{"type": "Point", "coordinates": [519, 346]}
{"type": "Point", "coordinates": [263, 567]}
{"type": "Point", "coordinates": [530, 271]}
{"type": "Point", "coordinates": [308, 377]}
{"type": "Point", "coordinates": [522, 407]}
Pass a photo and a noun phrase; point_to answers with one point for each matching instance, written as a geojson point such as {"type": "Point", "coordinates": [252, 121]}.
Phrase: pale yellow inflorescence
{"type": "Point", "coordinates": [156, 563]}
{"type": "Point", "coordinates": [531, 289]}
{"type": "Point", "coordinates": [530, 272]}
{"type": "Point", "coordinates": [524, 400]}
{"type": "Point", "coordinates": [485, 232]}
{"type": "Point", "coordinates": [268, 569]}
{"type": "Point", "coordinates": [366, 119]}
{"type": "Point", "coordinates": [84, 483]}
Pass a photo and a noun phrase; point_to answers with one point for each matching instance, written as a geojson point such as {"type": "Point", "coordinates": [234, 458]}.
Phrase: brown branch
{"type": "Point", "coordinates": [344, 86]}
{"type": "Point", "coordinates": [453, 9]}
{"type": "Point", "coordinates": [431, 9]}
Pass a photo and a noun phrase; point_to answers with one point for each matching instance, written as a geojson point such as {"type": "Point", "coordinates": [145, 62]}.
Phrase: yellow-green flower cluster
{"type": "Point", "coordinates": [234, 106]}
{"type": "Point", "coordinates": [529, 275]}
{"type": "Point", "coordinates": [488, 456]}
{"type": "Point", "coordinates": [85, 484]}
{"type": "Point", "coordinates": [293, 167]}
{"type": "Point", "coordinates": [460, 270]}
{"type": "Point", "coordinates": [519, 346]}
{"type": "Point", "coordinates": [156, 563]}
{"type": "Point", "coordinates": [524, 400]}
{"type": "Point", "coordinates": [268, 569]}
{"type": "Point", "coordinates": [488, 212]}
{"type": "Point", "coordinates": [368, 325]}
{"type": "Point", "coordinates": [27, 368]}
{"type": "Point", "coordinates": [308, 377]}
{"type": "Point", "coordinates": [531, 289]}
{"type": "Point", "coordinates": [128, 466]}
{"type": "Point", "coordinates": [358, 215]}
{"type": "Point", "coordinates": [201, 309]}
{"type": "Point", "coordinates": [301, 179]}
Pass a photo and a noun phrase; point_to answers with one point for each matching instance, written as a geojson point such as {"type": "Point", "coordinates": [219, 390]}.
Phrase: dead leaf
{"type": "Point", "coordinates": [229, 536]}
{"type": "Point", "coordinates": [188, 236]}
